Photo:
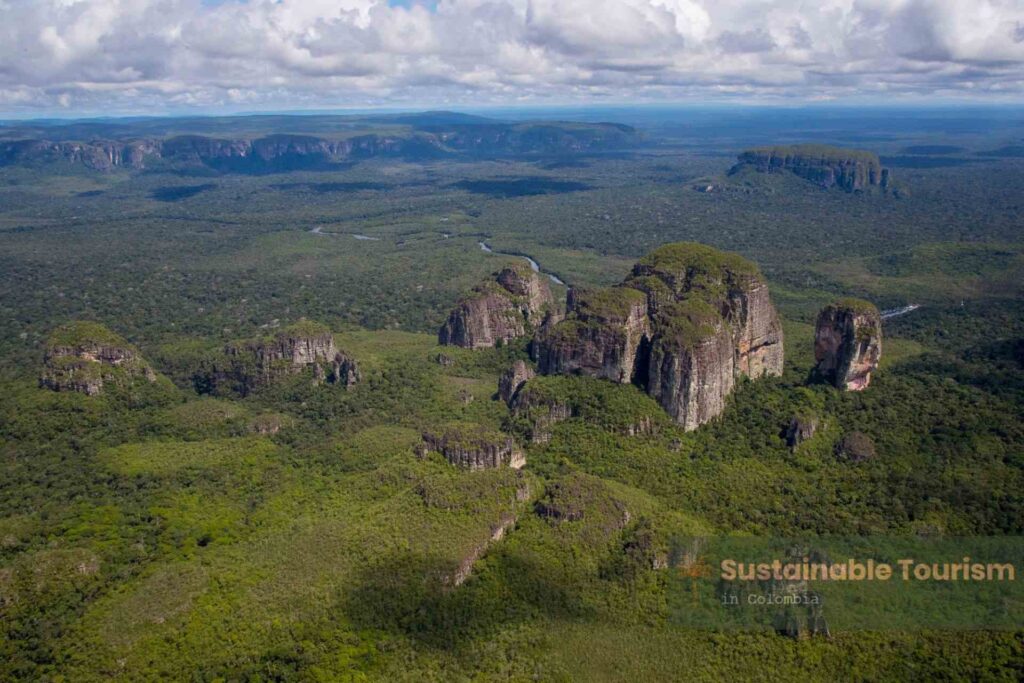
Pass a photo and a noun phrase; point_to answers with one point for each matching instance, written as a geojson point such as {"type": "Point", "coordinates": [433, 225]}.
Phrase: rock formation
{"type": "Point", "coordinates": [848, 344]}
{"type": "Point", "coordinates": [849, 169]}
{"type": "Point", "coordinates": [684, 326]}
{"type": "Point", "coordinates": [801, 428]}
{"type": "Point", "coordinates": [85, 357]}
{"type": "Point", "coordinates": [511, 305]}
{"type": "Point", "coordinates": [601, 337]}
{"type": "Point", "coordinates": [474, 447]}
{"type": "Point", "coordinates": [856, 447]}
{"type": "Point", "coordinates": [545, 401]}
{"type": "Point", "coordinates": [290, 151]}
{"type": "Point", "coordinates": [256, 363]}
{"type": "Point", "coordinates": [512, 379]}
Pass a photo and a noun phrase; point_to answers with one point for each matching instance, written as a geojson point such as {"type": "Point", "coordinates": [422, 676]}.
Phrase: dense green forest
{"type": "Point", "coordinates": [189, 533]}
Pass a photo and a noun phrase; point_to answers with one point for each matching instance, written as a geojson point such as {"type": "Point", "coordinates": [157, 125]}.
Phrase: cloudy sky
{"type": "Point", "coordinates": [154, 56]}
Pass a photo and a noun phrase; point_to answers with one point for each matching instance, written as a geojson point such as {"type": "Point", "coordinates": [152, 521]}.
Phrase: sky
{"type": "Point", "coordinates": [115, 57]}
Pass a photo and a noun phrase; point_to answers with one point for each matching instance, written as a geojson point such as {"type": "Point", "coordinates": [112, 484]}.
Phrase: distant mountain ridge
{"type": "Point", "coordinates": [419, 136]}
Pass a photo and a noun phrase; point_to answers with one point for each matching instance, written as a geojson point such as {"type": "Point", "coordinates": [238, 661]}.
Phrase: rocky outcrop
{"type": "Point", "coordinates": [684, 326]}
{"type": "Point", "coordinates": [86, 356]}
{"type": "Point", "coordinates": [509, 306]}
{"type": "Point", "coordinates": [848, 344]}
{"type": "Point", "coordinates": [253, 364]}
{"type": "Point", "coordinates": [848, 169]}
{"type": "Point", "coordinates": [855, 447]}
{"type": "Point", "coordinates": [539, 411]}
{"type": "Point", "coordinates": [512, 379]}
{"type": "Point", "coordinates": [800, 429]}
{"type": "Point", "coordinates": [600, 337]}
{"type": "Point", "coordinates": [465, 567]}
{"type": "Point", "coordinates": [474, 447]}
{"type": "Point", "coordinates": [545, 401]}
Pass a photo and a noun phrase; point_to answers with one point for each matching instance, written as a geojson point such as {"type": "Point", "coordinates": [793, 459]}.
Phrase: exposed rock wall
{"type": "Point", "coordinates": [84, 356]}
{"type": "Point", "coordinates": [685, 324]}
{"type": "Point", "coordinates": [257, 363]}
{"type": "Point", "coordinates": [600, 338]}
{"type": "Point", "coordinates": [849, 169]}
{"type": "Point", "coordinates": [284, 151]}
{"type": "Point", "coordinates": [473, 447]}
{"type": "Point", "coordinates": [509, 306]}
{"type": "Point", "coordinates": [691, 378]}
{"type": "Point", "coordinates": [512, 379]}
{"type": "Point", "coordinates": [848, 344]}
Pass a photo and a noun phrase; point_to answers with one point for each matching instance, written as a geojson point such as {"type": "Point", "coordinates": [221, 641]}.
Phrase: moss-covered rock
{"type": "Point", "coordinates": [86, 357]}
{"type": "Point", "coordinates": [684, 325]}
{"type": "Point", "coordinates": [511, 304]}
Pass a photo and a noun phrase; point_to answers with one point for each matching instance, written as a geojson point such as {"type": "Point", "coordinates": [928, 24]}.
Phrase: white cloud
{"type": "Point", "coordinates": [137, 55]}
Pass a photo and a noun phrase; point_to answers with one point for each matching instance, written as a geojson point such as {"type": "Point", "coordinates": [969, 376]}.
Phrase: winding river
{"type": "Point", "coordinates": [319, 230]}
{"type": "Point", "coordinates": [533, 264]}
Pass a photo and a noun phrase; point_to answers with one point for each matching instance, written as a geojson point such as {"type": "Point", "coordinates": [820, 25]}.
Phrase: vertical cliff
{"type": "Point", "coordinates": [848, 344]}
{"type": "Point", "coordinates": [684, 325]}
{"type": "Point", "coordinates": [473, 447]}
{"type": "Point", "coordinates": [87, 357]}
{"type": "Point", "coordinates": [510, 305]}
{"type": "Point", "coordinates": [513, 379]}
{"type": "Point", "coordinates": [849, 169]}
{"type": "Point", "coordinates": [305, 345]}
{"type": "Point", "coordinates": [600, 337]}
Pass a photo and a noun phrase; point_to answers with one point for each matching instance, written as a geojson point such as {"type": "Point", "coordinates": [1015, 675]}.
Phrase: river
{"type": "Point", "coordinates": [902, 310]}
{"type": "Point", "coordinates": [533, 264]}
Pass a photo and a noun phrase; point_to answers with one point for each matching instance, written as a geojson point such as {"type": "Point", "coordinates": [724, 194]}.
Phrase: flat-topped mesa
{"type": "Point", "coordinates": [600, 336]}
{"type": "Point", "coordinates": [684, 325]}
{"type": "Point", "coordinates": [848, 343]}
{"type": "Point", "coordinates": [474, 447]}
{"type": "Point", "coordinates": [852, 170]}
{"type": "Point", "coordinates": [306, 344]}
{"type": "Point", "coordinates": [84, 356]}
{"type": "Point", "coordinates": [511, 305]}
{"type": "Point", "coordinates": [730, 285]}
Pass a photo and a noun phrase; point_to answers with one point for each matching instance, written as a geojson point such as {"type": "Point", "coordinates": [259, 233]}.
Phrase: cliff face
{"type": "Point", "coordinates": [849, 169]}
{"type": "Point", "coordinates": [505, 308]}
{"type": "Point", "coordinates": [85, 356]}
{"type": "Point", "coordinates": [102, 155]}
{"type": "Point", "coordinates": [600, 337]}
{"type": "Point", "coordinates": [848, 344]}
{"type": "Point", "coordinates": [254, 364]}
{"type": "Point", "coordinates": [473, 447]}
{"type": "Point", "coordinates": [684, 325]}
{"type": "Point", "coordinates": [691, 377]}
{"type": "Point", "coordinates": [513, 379]}
{"type": "Point", "coordinates": [284, 151]}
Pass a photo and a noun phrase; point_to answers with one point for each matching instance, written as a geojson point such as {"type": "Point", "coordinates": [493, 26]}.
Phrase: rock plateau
{"type": "Point", "coordinates": [848, 169]}
{"type": "Point", "coordinates": [474, 447]}
{"type": "Point", "coordinates": [683, 326]}
{"type": "Point", "coordinates": [305, 345]}
{"type": "Point", "coordinates": [86, 357]}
